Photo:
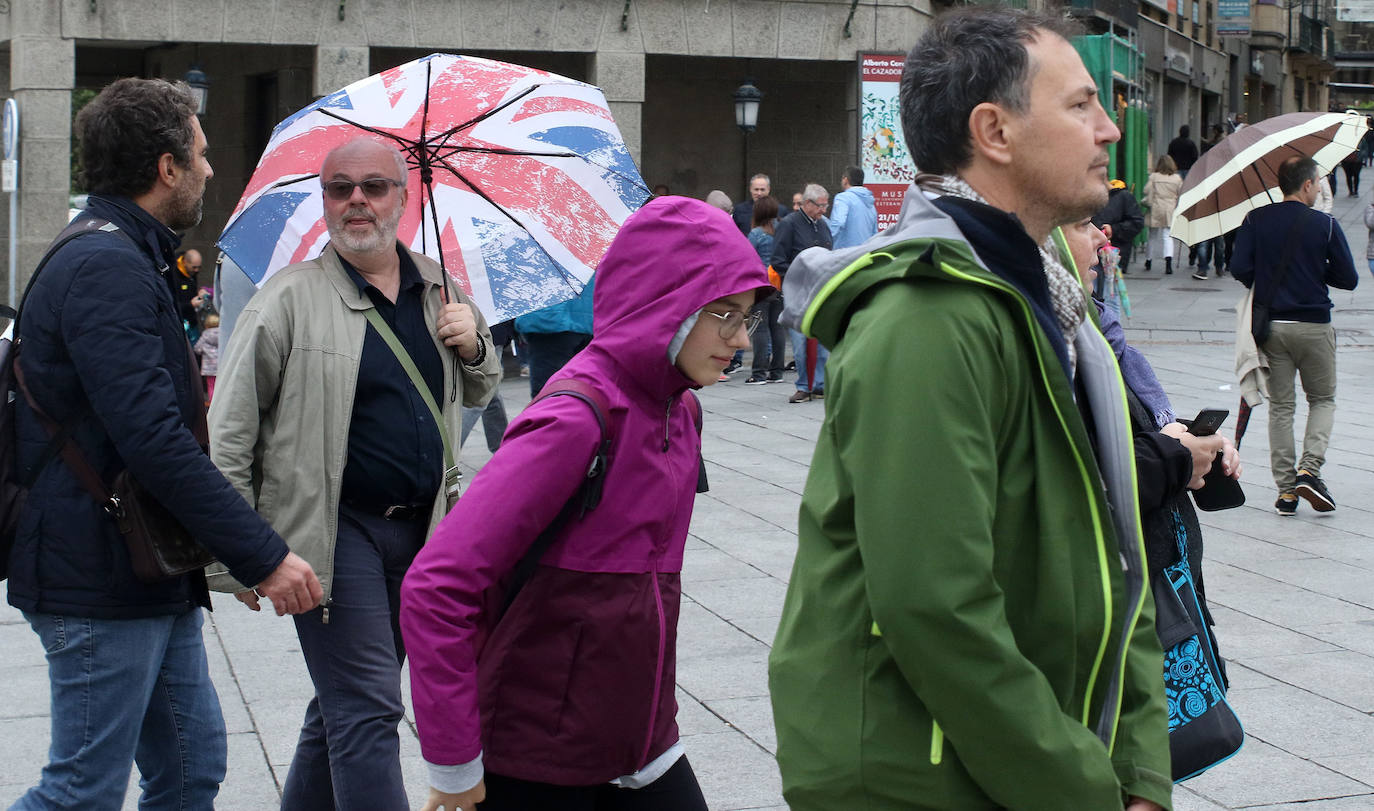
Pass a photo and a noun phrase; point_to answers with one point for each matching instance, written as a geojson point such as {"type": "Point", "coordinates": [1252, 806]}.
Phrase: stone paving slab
{"type": "Point", "coordinates": [1293, 597]}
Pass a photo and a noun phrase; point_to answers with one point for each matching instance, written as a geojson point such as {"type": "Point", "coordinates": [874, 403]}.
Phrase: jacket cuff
{"type": "Point", "coordinates": [257, 569]}
{"type": "Point", "coordinates": [1145, 784]}
{"type": "Point", "coordinates": [219, 579]}
{"type": "Point", "coordinates": [457, 778]}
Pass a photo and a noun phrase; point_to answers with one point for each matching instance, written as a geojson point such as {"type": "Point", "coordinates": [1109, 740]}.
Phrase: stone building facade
{"type": "Point", "coordinates": [668, 68]}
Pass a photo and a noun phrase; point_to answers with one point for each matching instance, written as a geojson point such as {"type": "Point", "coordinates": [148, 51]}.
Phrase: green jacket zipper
{"type": "Point", "coordinates": [1084, 476]}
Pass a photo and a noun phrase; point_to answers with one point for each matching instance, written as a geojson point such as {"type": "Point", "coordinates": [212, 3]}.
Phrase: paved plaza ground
{"type": "Point", "coordinates": [1293, 597]}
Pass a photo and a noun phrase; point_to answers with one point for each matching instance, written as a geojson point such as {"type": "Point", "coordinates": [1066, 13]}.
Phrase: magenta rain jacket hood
{"type": "Point", "coordinates": [575, 684]}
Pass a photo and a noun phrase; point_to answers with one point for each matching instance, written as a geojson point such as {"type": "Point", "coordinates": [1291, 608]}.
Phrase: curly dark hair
{"type": "Point", "coordinates": [969, 56]}
{"type": "Point", "coordinates": [125, 129]}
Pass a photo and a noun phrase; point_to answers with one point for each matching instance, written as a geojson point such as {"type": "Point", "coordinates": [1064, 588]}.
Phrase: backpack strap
{"type": "Point", "coordinates": [693, 404]}
{"type": "Point", "coordinates": [588, 494]}
{"type": "Point", "coordinates": [590, 490]}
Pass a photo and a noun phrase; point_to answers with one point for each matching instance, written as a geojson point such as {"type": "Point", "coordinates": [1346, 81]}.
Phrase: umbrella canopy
{"type": "Point", "coordinates": [1240, 173]}
{"type": "Point", "coordinates": [518, 179]}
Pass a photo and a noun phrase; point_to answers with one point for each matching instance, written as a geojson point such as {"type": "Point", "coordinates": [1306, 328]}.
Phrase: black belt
{"type": "Point", "coordinates": [393, 512]}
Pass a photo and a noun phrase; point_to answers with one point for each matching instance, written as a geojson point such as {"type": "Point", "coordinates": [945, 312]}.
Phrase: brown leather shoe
{"type": "Point", "coordinates": [800, 397]}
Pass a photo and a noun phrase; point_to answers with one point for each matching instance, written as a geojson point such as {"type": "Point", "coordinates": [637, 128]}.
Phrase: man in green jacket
{"type": "Point", "coordinates": [968, 624]}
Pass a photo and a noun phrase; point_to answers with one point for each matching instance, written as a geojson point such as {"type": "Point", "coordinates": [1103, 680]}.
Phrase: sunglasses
{"type": "Point", "coordinates": [731, 321]}
{"type": "Point", "coordinates": [374, 188]}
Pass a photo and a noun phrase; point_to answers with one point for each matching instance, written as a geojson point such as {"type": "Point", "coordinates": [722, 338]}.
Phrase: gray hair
{"type": "Point", "coordinates": [720, 200]}
{"type": "Point", "coordinates": [967, 57]}
{"type": "Point", "coordinates": [763, 177]}
{"type": "Point", "coordinates": [814, 192]}
{"type": "Point", "coordinates": [401, 168]}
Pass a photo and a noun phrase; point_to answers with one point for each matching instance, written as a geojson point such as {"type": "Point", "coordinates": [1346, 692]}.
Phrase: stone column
{"type": "Point", "coordinates": [42, 72]}
{"type": "Point", "coordinates": [621, 77]}
{"type": "Point", "coordinates": [339, 65]}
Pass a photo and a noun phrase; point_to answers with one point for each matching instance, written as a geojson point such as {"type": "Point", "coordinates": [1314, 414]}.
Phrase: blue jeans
{"type": "Point", "coordinates": [766, 342]}
{"type": "Point", "coordinates": [1206, 250]}
{"type": "Point", "coordinates": [126, 691]}
{"type": "Point", "coordinates": [799, 354]}
{"type": "Point", "coordinates": [349, 753]}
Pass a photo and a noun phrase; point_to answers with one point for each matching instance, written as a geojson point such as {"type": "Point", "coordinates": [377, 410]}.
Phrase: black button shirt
{"type": "Point", "coordinates": [395, 453]}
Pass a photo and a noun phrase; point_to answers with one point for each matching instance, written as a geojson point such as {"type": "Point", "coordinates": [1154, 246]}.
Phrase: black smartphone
{"type": "Point", "coordinates": [1219, 492]}
{"type": "Point", "coordinates": [1208, 421]}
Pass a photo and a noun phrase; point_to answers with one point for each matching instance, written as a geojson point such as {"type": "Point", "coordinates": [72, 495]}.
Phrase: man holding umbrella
{"type": "Point", "coordinates": [337, 395]}
{"type": "Point", "coordinates": [1291, 254]}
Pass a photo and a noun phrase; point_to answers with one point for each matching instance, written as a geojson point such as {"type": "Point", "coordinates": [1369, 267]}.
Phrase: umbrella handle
{"type": "Point", "coordinates": [811, 354]}
{"type": "Point", "coordinates": [1242, 421]}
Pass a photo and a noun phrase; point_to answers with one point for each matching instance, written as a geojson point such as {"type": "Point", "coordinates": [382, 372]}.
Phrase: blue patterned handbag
{"type": "Point", "coordinates": [1203, 727]}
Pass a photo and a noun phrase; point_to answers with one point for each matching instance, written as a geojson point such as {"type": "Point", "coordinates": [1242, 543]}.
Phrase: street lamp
{"type": "Point", "coordinates": [747, 98]}
{"type": "Point", "coordinates": [199, 83]}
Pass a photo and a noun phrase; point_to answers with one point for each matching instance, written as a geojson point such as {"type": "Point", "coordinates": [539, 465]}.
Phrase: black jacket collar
{"type": "Point", "coordinates": [156, 239]}
{"type": "Point", "coordinates": [1002, 243]}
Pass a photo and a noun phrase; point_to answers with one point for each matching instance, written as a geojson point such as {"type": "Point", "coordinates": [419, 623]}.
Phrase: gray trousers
{"type": "Point", "coordinates": [348, 757]}
{"type": "Point", "coordinates": [1309, 352]}
{"type": "Point", "coordinates": [494, 421]}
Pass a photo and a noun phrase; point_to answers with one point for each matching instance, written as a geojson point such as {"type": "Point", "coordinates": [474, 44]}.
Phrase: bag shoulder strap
{"type": "Point", "coordinates": [77, 228]}
{"type": "Point", "coordinates": [70, 453]}
{"type": "Point", "coordinates": [1289, 245]}
{"type": "Point", "coordinates": [59, 435]}
{"type": "Point", "coordinates": [389, 336]}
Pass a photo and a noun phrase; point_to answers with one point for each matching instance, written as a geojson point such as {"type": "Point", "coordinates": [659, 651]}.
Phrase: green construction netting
{"type": "Point", "coordinates": [1114, 64]}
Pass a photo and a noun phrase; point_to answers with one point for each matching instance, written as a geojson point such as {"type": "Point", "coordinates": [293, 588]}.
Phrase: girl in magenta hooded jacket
{"type": "Point", "coordinates": [570, 697]}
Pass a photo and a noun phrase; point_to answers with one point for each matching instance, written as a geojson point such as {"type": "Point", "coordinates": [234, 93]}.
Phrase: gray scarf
{"type": "Point", "coordinates": [1066, 291]}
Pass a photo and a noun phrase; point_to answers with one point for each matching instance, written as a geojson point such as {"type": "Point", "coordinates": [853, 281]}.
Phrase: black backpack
{"type": "Point", "coordinates": [14, 489]}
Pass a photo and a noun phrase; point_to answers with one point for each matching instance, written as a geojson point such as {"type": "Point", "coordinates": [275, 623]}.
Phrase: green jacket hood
{"type": "Point", "coordinates": [940, 234]}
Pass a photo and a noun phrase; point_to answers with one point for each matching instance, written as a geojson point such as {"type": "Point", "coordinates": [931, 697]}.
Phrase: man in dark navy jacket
{"type": "Point", "coordinates": [1302, 340]}
{"type": "Point", "coordinates": [805, 228]}
{"type": "Point", "coordinates": [104, 354]}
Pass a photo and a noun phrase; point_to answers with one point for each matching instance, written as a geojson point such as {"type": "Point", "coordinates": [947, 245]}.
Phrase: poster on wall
{"type": "Point", "coordinates": [887, 166]}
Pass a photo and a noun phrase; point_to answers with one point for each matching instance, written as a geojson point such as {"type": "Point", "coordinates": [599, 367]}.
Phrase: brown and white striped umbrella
{"type": "Point", "coordinates": [1240, 174]}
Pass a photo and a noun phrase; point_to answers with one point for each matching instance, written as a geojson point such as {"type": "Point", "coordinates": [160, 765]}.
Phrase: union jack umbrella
{"type": "Point", "coordinates": [519, 179]}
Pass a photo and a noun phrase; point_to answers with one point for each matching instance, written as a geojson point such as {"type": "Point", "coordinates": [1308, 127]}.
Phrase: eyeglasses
{"type": "Point", "coordinates": [374, 188]}
{"type": "Point", "coordinates": [817, 204]}
{"type": "Point", "coordinates": [731, 321]}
